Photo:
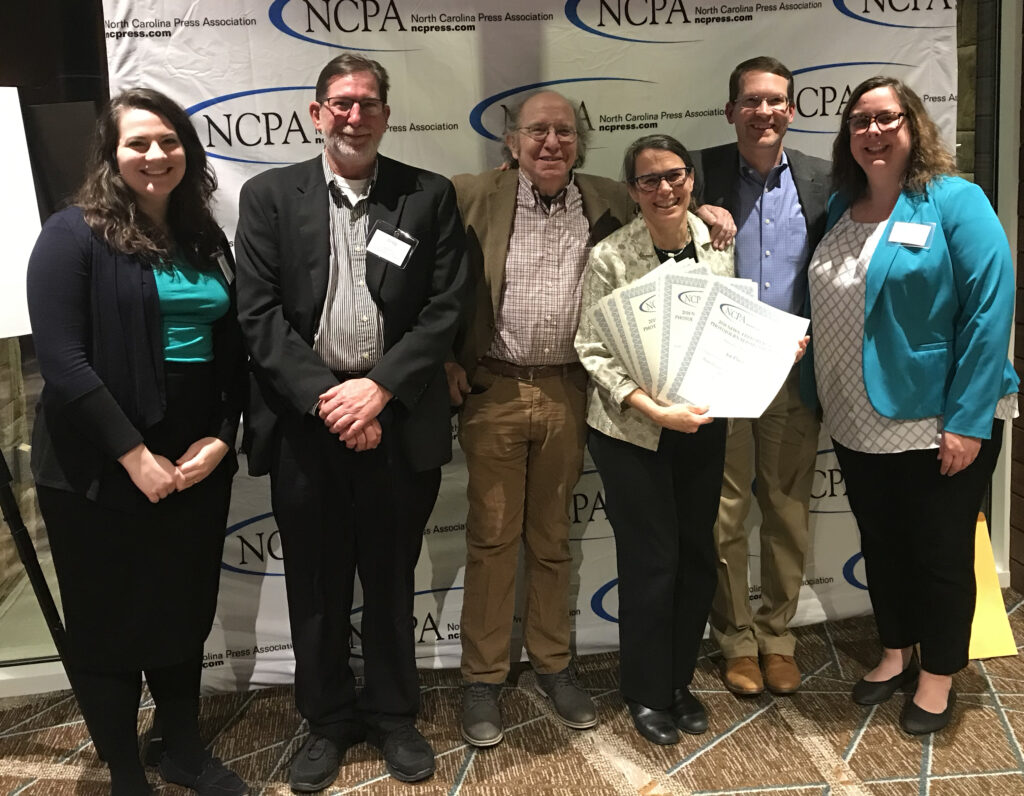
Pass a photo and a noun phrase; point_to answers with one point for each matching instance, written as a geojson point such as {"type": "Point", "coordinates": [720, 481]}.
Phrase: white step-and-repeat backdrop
{"type": "Point", "coordinates": [245, 70]}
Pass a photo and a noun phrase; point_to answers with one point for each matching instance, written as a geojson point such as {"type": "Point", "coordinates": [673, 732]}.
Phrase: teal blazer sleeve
{"type": "Point", "coordinates": [937, 318]}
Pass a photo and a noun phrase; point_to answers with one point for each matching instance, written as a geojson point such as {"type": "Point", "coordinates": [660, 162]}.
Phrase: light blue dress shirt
{"type": "Point", "coordinates": [771, 237]}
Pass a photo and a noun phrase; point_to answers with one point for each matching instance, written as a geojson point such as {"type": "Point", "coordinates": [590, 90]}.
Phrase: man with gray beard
{"type": "Point", "coordinates": [350, 281]}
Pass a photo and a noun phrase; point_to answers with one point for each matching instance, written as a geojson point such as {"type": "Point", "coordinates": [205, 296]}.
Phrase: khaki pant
{"type": "Point", "coordinates": [523, 443]}
{"type": "Point", "coordinates": [781, 446]}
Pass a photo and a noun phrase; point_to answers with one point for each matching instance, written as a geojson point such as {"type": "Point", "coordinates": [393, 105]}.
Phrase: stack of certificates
{"type": "Point", "coordinates": [687, 336]}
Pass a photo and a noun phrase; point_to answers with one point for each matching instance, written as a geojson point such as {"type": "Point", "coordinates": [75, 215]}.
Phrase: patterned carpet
{"type": "Point", "coordinates": [815, 743]}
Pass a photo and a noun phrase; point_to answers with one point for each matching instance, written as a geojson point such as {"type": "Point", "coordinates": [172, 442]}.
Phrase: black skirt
{"type": "Point", "coordinates": [138, 580]}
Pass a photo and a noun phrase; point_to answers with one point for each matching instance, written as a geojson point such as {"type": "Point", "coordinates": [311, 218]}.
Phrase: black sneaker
{"type": "Point", "coordinates": [407, 754]}
{"type": "Point", "coordinates": [315, 765]}
{"type": "Point", "coordinates": [214, 779]}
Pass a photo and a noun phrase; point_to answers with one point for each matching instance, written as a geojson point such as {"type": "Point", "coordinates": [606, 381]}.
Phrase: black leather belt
{"type": "Point", "coordinates": [345, 375]}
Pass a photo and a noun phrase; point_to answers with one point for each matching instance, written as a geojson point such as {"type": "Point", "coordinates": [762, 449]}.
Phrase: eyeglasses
{"type": "Point", "coordinates": [343, 105]}
{"type": "Point", "coordinates": [652, 182]}
{"type": "Point", "coordinates": [777, 102]}
{"type": "Point", "coordinates": [885, 121]}
{"type": "Point", "coordinates": [539, 132]}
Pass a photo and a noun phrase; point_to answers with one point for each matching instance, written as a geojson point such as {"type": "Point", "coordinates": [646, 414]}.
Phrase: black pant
{"type": "Point", "coordinates": [662, 506]}
{"type": "Point", "coordinates": [917, 531]}
{"type": "Point", "coordinates": [341, 513]}
{"type": "Point", "coordinates": [109, 701]}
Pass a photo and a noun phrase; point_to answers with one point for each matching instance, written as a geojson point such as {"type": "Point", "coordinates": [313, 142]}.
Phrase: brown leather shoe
{"type": "Point", "coordinates": [781, 674]}
{"type": "Point", "coordinates": [742, 676]}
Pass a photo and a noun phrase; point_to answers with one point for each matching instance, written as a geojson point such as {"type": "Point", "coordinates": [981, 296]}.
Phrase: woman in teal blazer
{"type": "Point", "coordinates": [912, 293]}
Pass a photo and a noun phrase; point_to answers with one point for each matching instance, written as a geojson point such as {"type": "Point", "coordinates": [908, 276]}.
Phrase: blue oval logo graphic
{"type": "Point", "coordinates": [895, 13]}
{"type": "Point", "coordinates": [327, 17]}
{"type": "Point", "coordinates": [253, 547]}
{"type": "Point", "coordinates": [734, 313]}
{"type": "Point", "coordinates": [619, 15]}
{"type": "Point", "coordinates": [476, 116]}
{"type": "Point", "coordinates": [253, 126]}
{"type": "Point", "coordinates": [850, 572]}
{"type": "Point", "coordinates": [821, 97]}
{"type": "Point", "coordinates": [690, 297]}
{"type": "Point", "coordinates": [648, 305]}
{"type": "Point", "coordinates": [597, 601]}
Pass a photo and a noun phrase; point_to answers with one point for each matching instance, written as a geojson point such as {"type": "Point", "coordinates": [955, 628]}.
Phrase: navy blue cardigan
{"type": "Point", "coordinates": [97, 331]}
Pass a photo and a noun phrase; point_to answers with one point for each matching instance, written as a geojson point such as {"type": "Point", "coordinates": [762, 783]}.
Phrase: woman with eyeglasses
{"type": "Point", "coordinates": [912, 294]}
{"type": "Point", "coordinates": [661, 465]}
{"type": "Point", "coordinates": [133, 318]}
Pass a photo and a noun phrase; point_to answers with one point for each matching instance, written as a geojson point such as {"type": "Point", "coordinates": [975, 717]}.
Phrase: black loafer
{"type": "Point", "coordinates": [656, 726]}
{"type": "Point", "coordinates": [868, 693]}
{"type": "Point", "coordinates": [918, 721]}
{"type": "Point", "coordinates": [213, 779]}
{"type": "Point", "coordinates": [689, 714]}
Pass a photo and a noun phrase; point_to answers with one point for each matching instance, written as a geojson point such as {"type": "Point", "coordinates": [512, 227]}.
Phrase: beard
{"type": "Point", "coordinates": [342, 150]}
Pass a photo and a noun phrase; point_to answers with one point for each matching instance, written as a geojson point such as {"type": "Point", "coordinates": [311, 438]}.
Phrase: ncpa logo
{"type": "Point", "coordinates": [828, 489]}
{"type": "Point", "coordinates": [901, 13]}
{"type": "Point", "coordinates": [823, 91]}
{"type": "Point", "coordinates": [253, 547]}
{"type": "Point", "coordinates": [643, 21]}
{"type": "Point", "coordinates": [488, 116]}
{"type": "Point", "coordinates": [323, 21]}
{"type": "Point", "coordinates": [267, 126]}
{"type": "Point", "coordinates": [733, 313]}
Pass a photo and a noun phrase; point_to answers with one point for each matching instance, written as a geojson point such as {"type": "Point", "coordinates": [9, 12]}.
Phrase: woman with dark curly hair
{"type": "Point", "coordinates": [134, 324]}
{"type": "Point", "coordinates": [912, 295]}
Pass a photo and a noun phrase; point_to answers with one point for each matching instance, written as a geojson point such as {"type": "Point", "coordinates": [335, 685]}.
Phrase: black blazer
{"type": "Point", "coordinates": [283, 249]}
{"type": "Point", "coordinates": [718, 170]}
{"type": "Point", "coordinates": [97, 330]}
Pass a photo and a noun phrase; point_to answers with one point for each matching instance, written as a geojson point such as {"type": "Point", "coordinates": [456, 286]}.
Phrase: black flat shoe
{"type": "Point", "coordinates": [918, 721]}
{"type": "Point", "coordinates": [868, 693]}
{"type": "Point", "coordinates": [688, 713]}
{"type": "Point", "coordinates": [657, 726]}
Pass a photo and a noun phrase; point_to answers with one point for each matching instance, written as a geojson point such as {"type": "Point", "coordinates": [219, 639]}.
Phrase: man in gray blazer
{"type": "Point", "coordinates": [777, 197]}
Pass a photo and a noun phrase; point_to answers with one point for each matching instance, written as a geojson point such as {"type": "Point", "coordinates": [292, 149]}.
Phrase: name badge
{"type": "Point", "coordinates": [391, 244]}
{"type": "Point", "coordinates": [225, 268]}
{"type": "Point", "coordinates": [909, 234]}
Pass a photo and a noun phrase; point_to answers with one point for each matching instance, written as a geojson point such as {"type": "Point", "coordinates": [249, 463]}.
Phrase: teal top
{"type": "Point", "coordinates": [190, 302]}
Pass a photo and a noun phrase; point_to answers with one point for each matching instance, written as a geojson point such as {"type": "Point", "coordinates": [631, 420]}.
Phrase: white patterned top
{"type": "Point", "coordinates": [837, 275]}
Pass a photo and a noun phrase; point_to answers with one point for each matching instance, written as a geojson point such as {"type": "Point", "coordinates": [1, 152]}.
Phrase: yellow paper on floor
{"type": "Point", "coordinates": [991, 636]}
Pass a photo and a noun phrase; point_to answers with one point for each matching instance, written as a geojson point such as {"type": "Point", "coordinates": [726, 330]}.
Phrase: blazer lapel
{"type": "Point", "coordinates": [386, 202]}
{"type": "Point", "coordinates": [810, 192]}
{"type": "Point", "coordinates": [499, 214]}
{"type": "Point", "coordinates": [721, 167]}
{"type": "Point", "coordinates": [885, 252]}
{"type": "Point", "coordinates": [313, 237]}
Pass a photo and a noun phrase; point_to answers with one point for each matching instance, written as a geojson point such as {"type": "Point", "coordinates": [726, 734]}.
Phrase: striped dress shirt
{"type": "Point", "coordinates": [350, 336]}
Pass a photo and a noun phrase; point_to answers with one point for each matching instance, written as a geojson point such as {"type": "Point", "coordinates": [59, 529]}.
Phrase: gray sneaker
{"type": "Point", "coordinates": [572, 704]}
{"type": "Point", "coordinates": [481, 716]}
